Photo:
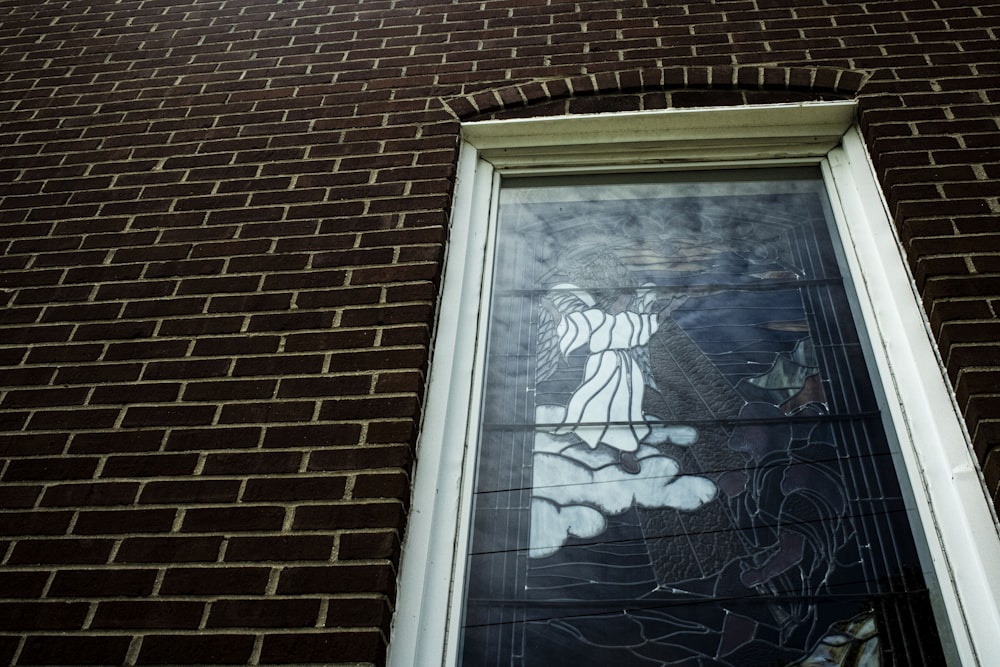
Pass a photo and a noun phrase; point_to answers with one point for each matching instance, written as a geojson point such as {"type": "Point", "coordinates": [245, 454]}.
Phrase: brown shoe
{"type": "Point", "coordinates": [629, 463]}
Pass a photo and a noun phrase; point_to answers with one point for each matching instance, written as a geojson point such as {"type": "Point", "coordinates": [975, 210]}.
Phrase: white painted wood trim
{"type": "Point", "coordinates": [678, 137]}
{"type": "Point", "coordinates": [961, 526]}
{"type": "Point", "coordinates": [429, 547]}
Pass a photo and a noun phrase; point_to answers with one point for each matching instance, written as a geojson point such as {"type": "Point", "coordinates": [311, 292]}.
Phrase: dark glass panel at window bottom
{"type": "Point", "coordinates": [683, 460]}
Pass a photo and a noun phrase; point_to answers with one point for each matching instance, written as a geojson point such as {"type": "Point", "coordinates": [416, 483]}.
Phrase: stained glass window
{"type": "Point", "coordinates": [682, 458]}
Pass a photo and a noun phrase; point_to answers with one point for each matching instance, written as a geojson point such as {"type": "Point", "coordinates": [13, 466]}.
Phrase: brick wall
{"type": "Point", "coordinates": [222, 224]}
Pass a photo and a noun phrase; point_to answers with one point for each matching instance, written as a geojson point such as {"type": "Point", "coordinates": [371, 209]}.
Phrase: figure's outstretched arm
{"type": "Point", "coordinates": [551, 309]}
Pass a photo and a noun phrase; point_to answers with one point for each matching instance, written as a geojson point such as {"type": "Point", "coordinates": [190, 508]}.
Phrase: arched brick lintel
{"type": "Point", "coordinates": [820, 80]}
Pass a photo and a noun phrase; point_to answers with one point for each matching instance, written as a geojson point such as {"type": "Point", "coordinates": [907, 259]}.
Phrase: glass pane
{"type": "Point", "coordinates": [682, 460]}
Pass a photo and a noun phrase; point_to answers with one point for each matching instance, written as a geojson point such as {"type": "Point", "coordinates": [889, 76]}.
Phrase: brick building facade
{"type": "Point", "coordinates": [223, 226]}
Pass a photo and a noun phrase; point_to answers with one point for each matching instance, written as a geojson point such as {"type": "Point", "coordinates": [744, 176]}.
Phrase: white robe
{"type": "Point", "coordinates": [613, 383]}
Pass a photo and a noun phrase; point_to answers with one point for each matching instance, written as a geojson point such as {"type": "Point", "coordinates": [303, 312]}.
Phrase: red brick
{"type": "Point", "coordinates": [213, 438]}
{"type": "Point", "coordinates": [325, 648]}
{"type": "Point", "coordinates": [412, 381]}
{"type": "Point", "coordinates": [71, 353]}
{"type": "Point", "coordinates": [118, 522]}
{"type": "Point", "coordinates": [90, 494]}
{"type": "Point", "coordinates": [149, 465]}
{"type": "Point", "coordinates": [225, 649]}
{"type": "Point", "coordinates": [211, 203]}
{"type": "Point", "coordinates": [358, 515]}
{"type": "Point", "coordinates": [145, 350]}
{"type": "Point", "coordinates": [268, 263]}
{"type": "Point", "coordinates": [82, 312]}
{"type": "Point", "coordinates": [50, 469]}
{"type": "Point", "coordinates": [137, 392]}
{"type": "Point", "coordinates": [31, 278]}
{"type": "Point", "coordinates": [267, 412]}
{"type": "Point", "coordinates": [219, 285]}
{"type": "Point", "coordinates": [324, 386]}
{"type": "Point", "coordinates": [231, 248]}
{"type": "Point", "coordinates": [80, 258]}
{"type": "Point", "coordinates": [291, 321]}
{"type": "Point", "coordinates": [188, 492]}
{"type": "Point", "coordinates": [977, 381]}
{"type": "Point", "coordinates": [126, 290]}
{"type": "Point", "coordinates": [358, 612]}
{"type": "Point", "coordinates": [23, 584]}
{"type": "Point", "coordinates": [369, 408]}
{"type": "Point", "coordinates": [34, 523]}
{"type": "Point", "coordinates": [311, 435]}
{"type": "Point", "coordinates": [18, 497]}
{"type": "Point", "coordinates": [198, 368]}
{"type": "Point", "coordinates": [961, 356]}
{"type": "Point", "coordinates": [75, 649]}
{"type": "Point", "coordinates": [330, 340]}
{"type": "Point", "coordinates": [188, 549]}
{"type": "Point", "coordinates": [294, 488]}
{"type": "Point", "coordinates": [236, 344]}
{"type": "Point", "coordinates": [162, 253]}
{"type": "Point", "coordinates": [229, 390]}
{"type": "Point", "coordinates": [34, 398]}
{"type": "Point", "coordinates": [281, 364]}
{"type": "Point", "coordinates": [252, 463]}
{"type": "Point", "coordinates": [304, 280]}
{"type": "Point", "coordinates": [386, 315]}
{"type": "Point", "coordinates": [38, 334]}
{"type": "Point", "coordinates": [184, 268]}
{"type": "Point", "coordinates": [213, 580]}
{"type": "Point", "coordinates": [147, 614]}
{"type": "Point", "coordinates": [406, 335]}
{"type": "Point", "coordinates": [247, 303]}
{"type": "Point", "coordinates": [16, 316]}
{"type": "Point", "coordinates": [414, 292]}
{"type": "Point", "coordinates": [93, 582]}
{"type": "Point", "coordinates": [43, 295]}
{"type": "Point", "coordinates": [11, 356]}
{"type": "Point", "coordinates": [381, 485]}
{"type": "Point", "coordinates": [233, 519]}
{"type": "Point", "coordinates": [63, 551]}
{"type": "Point", "coordinates": [368, 546]}
{"type": "Point", "coordinates": [335, 579]}
{"type": "Point", "coordinates": [291, 613]}
{"type": "Point", "coordinates": [171, 415]}
{"type": "Point", "coordinates": [353, 257]}
{"type": "Point", "coordinates": [13, 421]}
{"type": "Point", "coordinates": [116, 442]}
{"type": "Point", "coordinates": [32, 444]}
{"type": "Point", "coordinates": [264, 549]}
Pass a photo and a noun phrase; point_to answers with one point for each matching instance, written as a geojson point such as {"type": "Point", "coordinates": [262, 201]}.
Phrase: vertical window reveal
{"type": "Point", "coordinates": [682, 459]}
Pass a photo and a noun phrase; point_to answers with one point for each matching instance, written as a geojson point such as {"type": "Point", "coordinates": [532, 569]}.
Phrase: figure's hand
{"type": "Point", "coordinates": [668, 305]}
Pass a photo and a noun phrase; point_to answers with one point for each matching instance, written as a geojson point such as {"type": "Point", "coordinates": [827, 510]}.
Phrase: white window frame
{"type": "Point", "coordinates": [961, 526]}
